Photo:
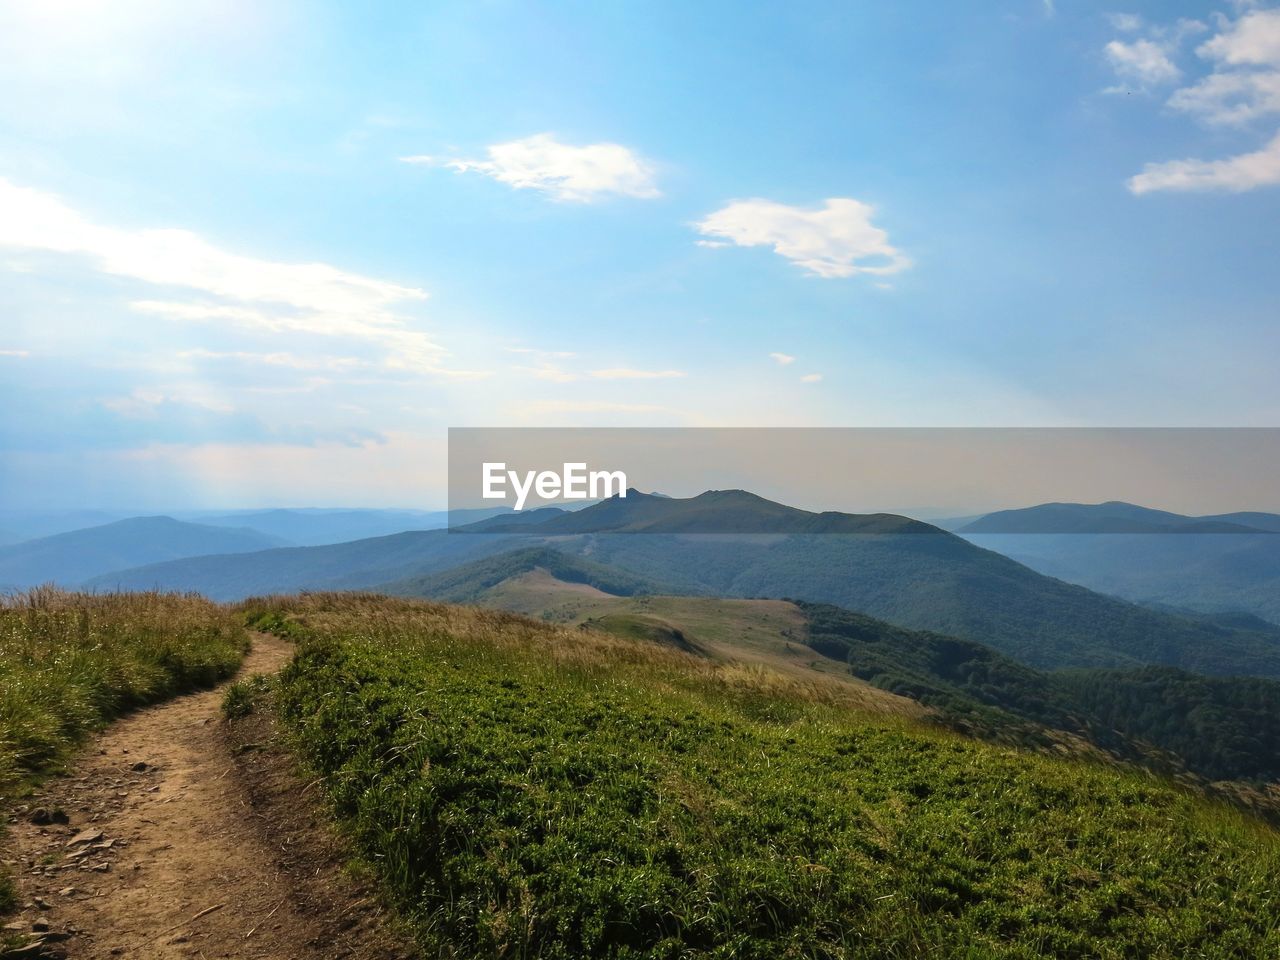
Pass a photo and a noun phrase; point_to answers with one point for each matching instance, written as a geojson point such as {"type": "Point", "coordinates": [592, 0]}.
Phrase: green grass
{"type": "Point", "coordinates": [70, 662]}
{"type": "Point", "coordinates": [530, 791]}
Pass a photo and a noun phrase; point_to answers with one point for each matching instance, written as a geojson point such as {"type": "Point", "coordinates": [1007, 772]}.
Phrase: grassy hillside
{"type": "Point", "coordinates": [942, 583]}
{"type": "Point", "coordinates": [470, 581]}
{"type": "Point", "coordinates": [1171, 720]}
{"type": "Point", "coordinates": [69, 662]}
{"type": "Point", "coordinates": [530, 790]}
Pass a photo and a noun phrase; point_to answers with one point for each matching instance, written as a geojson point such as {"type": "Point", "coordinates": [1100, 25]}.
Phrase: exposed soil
{"type": "Point", "coordinates": [190, 837]}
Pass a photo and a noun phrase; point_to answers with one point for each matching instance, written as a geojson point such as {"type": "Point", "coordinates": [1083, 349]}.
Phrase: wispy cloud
{"type": "Point", "coordinates": [1147, 61]}
{"type": "Point", "coordinates": [784, 359]}
{"type": "Point", "coordinates": [563, 171]}
{"type": "Point", "coordinates": [15, 353]}
{"type": "Point", "coordinates": [145, 404]}
{"type": "Point", "coordinates": [1234, 174]}
{"type": "Point", "coordinates": [288, 360]}
{"type": "Point", "coordinates": [1143, 63]}
{"type": "Point", "coordinates": [314, 298]}
{"type": "Point", "coordinates": [837, 239]}
{"type": "Point", "coordinates": [626, 373]}
{"type": "Point", "coordinates": [811, 378]}
{"type": "Point", "coordinates": [544, 354]}
{"type": "Point", "coordinates": [1125, 22]}
{"type": "Point", "coordinates": [577, 410]}
{"type": "Point", "coordinates": [1243, 86]}
{"type": "Point", "coordinates": [554, 372]}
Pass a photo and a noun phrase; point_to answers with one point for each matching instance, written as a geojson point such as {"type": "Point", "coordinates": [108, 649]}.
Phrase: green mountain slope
{"type": "Point", "coordinates": [470, 581]}
{"type": "Point", "coordinates": [1225, 728]}
{"type": "Point", "coordinates": [1171, 720]}
{"type": "Point", "coordinates": [945, 584]}
{"type": "Point", "coordinates": [529, 790]}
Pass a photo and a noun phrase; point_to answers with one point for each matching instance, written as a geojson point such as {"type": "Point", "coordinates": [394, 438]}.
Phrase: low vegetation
{"type": "Point", "coordinates": [69, 662]}
{"type": "Point", "coordinates": [538, 791]}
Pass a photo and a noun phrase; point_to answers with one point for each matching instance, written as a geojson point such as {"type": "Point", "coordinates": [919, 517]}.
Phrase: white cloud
{"type": "Point", "coordinates": [811, 378]}
{"type": "Point", "coordinates": [313, 298]}
{"type": "Point", "coordinates": [15, 353]}
{"type": "Point", "coordinates": [1231, 98]}
{"type": "Point", "coordinates": [1125, 22]}
{"type": "Point", "coordinates": [1242, 85]}
{"type": "Point", "coordinates": [1254, 39]}
{"type": "Point", "coordinates": [36, 220]}
{"type": "Point", "coordinates": [544, 354]}
{"type": "Point", "coordinates": [626, 373]}
{"type": "Point", "coordinates": [782, 358]}
{"type": "Point", "coordinates": [837, 239]}
{"type": "Point", "coordinates": [560, 170]}
{"type": "Point", "coordinates": [145, 404]}
{"type": "Point", "coordinates": [545, 370]}
{"type": "Point", "coordinates": [288, 360]}
{"type": "Point", "coordinates": [551, 372]}
{"type": "Point", "coordinates": [1234, 174]}
{"type": "Point", "coordinates": [539, 408]}
{"type": "Point", "coordinates": [1144, 63]}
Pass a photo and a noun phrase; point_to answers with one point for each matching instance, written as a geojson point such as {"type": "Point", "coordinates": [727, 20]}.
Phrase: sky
{"type": "Point", "coordinates": [267, 253]}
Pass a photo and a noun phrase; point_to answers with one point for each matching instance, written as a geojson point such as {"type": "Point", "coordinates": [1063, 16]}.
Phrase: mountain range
{"type": "Point", "coordinates": [73, 557]}
{"type": "Point", "coordinates": [1223, 563]}
{"type": "Point", "coordinates": [914, 575]}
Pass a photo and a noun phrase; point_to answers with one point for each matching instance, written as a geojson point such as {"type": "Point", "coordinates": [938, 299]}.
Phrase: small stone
{"type": "Point", "coordinates": [67, 892]}
{"type": "Point", "coordinates": [141, 767]}
{"type": "Point", "coordinates": [85, 836]}
{"type": "Point", "coordinates": [101, 868]}
{"type": "Point", "coordinates": [40, 926]}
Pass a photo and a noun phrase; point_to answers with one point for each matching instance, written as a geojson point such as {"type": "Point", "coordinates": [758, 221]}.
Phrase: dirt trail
{"type": "Point", "coordinates": [207, 849]}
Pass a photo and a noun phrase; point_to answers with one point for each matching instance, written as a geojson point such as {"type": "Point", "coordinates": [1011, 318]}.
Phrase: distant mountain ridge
{"type": "Point", "coordinates": [308, 527]}
{"type": "Point", "coordinates": [878, 564]}
{"type": "Point", "coordinates": [1214, 564]}
{"type": "Point", "coordinates": [71, 558]}
{"type": "Point", "coordinates": [715, 511]}
{"type": "Point", "coordinates": [1116, 516]}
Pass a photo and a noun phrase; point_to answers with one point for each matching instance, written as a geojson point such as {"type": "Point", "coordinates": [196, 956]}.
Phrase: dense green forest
{"type": "Point", "coordinates": [1221, 728]}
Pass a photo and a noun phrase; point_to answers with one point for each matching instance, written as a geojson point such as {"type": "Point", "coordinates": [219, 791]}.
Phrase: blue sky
{"type": "Point", "coordinates": [266, 253]}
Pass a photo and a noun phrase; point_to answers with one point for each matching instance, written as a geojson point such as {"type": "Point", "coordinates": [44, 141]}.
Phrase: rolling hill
{"type": "Point", "coordinates": [340, 566]}
{"type": "Point", "coordinates": [317, 527]}
{"type": "Point", "coordinates": [73, 557]}
{"type": "Point", "coordinates": [915, 575]}
{"type": "Point", "coordinates": [1161, 717]}
{"type": "Point", "coordinates": [1115, 517]}
{"type": "Point", "coordinates": [654, 803]}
